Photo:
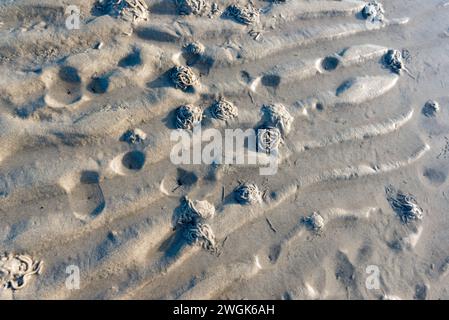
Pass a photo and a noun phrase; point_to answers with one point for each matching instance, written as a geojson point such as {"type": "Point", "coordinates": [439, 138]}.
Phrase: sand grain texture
{"type": "Point", "coordinates": [86, 178]}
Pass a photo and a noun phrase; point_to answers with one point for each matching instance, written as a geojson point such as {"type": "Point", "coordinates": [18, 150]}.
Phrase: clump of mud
{"type": "Point", "coordinates": [16, 270]}
{"type": "Point", "coordinates": [183, 77]}
{"type": "Point", "coordinates": [394, 61]}
{"type": "Point", "coordinates": [277, 116]}
{"type": "Point", "coordinates": [188, 116]}
{"type": "Point", "coordinates": [431, 108]}
{"type": "Point", "coordinates": [404, 205]}
{"type": "Point", "coordinates": [247, 194]}
{"type": "Point", "coordinates": [190, 218]}
{"type": "Point", "coordinates": [129, 10]}
{"type": "Point", "coordinates": [134, 136]}
{"type": "Point", "coordinates": [224, 110]}
{"type": "Point", "coordinates": [246, 15]}
{"type": "Point", "coordinates": [201, 234]}
{"type": "Point", "coordinates": [188, 7]}
{"type": "Point", "coordinates": [194, 48]}
{"type": "Point", "coordinates": [373, 11]}
{"type": "Point", "coordinates": [193, 212]}
{"type": "Point", "coordinates": [314, 222]}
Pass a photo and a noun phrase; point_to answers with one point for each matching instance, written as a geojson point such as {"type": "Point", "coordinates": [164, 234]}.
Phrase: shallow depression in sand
{"type": "Point", "coordinates": [65, 88]}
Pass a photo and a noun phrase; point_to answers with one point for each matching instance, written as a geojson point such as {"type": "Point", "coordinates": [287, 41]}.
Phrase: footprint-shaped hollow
{"type": "Point", "coordinates": [66, 88]}
{"type": "Point", "coordinates": [330, 63]}
{"type": "Point", "coordinates": [134, 160]}
{"type": "Point", "coordinates": [87, 198]}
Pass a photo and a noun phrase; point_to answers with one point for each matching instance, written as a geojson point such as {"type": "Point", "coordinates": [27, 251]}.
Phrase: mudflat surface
{"type": "Point", "coordinates": [74, 193]}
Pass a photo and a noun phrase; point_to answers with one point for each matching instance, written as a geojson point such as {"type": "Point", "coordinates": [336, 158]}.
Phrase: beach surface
{"type": "Point", "coordinates": [90, 197]}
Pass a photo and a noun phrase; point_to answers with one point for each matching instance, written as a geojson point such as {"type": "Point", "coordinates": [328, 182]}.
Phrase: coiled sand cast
{"type": "Point", "coordinates": [183, 77]}
{"type": "Point", "coordinates": [246, 15]}
{"type": "Point", "coordinates": [247, 194]}
{"type": "Point", "coordinates": [130, 10]}
{"type": "Point", "coordinates": [224, 110]}
{"type": "Point", "coordinates": [188, 116]}
{"type": "Point", "coordinates": [404, 205]}
{"type": "Point", "coordinates": [16, 270]}
{"type": "Point", "coordinates": [187, 7]}
{"type": "Point", "coordinates": [193, 211]}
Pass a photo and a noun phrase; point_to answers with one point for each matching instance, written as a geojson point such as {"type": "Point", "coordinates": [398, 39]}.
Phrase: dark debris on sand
{"type": "Point", "coordinates": [405, 205]}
